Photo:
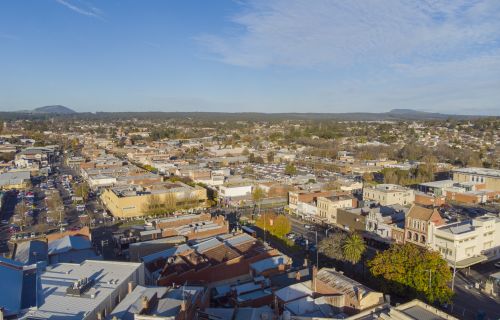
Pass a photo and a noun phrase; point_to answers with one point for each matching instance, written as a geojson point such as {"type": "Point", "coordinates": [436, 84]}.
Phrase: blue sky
{"type": "Point", "coordinates": [254, 55]}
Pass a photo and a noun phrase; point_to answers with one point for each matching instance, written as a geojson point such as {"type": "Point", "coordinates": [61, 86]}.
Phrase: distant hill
{"type": "Point", "coordinates": [56, 109]}
{"type": "Point", "coordinates": [393, 115]}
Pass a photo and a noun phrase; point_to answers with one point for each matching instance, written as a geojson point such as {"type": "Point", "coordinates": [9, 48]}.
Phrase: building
{"type": "Point", "coordinates": [218, 259]}
{"type": "Point", "coordinates": [490, 177]}
{"type": "Point", "coordinates": [328, 206]}
{"type": "Point", "coordinates": [330, 294]}
{"type": "Point", "coordinates": [352, 296]}
{"type": "Point", "coordinates": [172, 303]}
{"type": "Point", "coordinates": [135, 201]}
{"type": "Point", "coordinates": [72, 249]}
{"type": "Point", "coordinates": [352, 219]}
{"type": "Point", "coordinates": [413, 310]}
{"type": "Point", "coordinates": [18, 286]}
{"type": "Point", "coordinates": [389, 194]}
{"type": "Point", "coordinates": [234, 191]}
{"type": "Point", "coordinates": [420, 223]}
{"type": "Point", "coordinates": [18, 180]}
{"type": "Point", "coordinates": [380, 221]}
{"type": "Point", "coordinates": [90, 290]}
{"type": "Point", "coordinates": [305, 196]}
{"type": "Point", "coordinates": [468, 242]}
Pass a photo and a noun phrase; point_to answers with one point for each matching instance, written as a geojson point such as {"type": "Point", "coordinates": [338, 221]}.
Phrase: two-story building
{"type": "Point", "coordinates": [419, 225]}
{"type": "Point", "coordinates": [468, 242]}
{"type": "Point", "coordinates": [389, 194]}
{"type": "Point", "coordinates": [327, 206]}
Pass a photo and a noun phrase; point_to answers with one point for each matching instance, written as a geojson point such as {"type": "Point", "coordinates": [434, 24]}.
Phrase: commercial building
{"type": "Point", "coordinates": [135, 201]}
{"type": "Point", "coordinates": [304, 196]}
{"type": "Point", "coordinates": [218, 259]}
{"type": "Point", "coordinates": [172, 303]}
{"type": "Point", "coordinates": [18, 285]}
{"type": "Point", "coordinates": [89, 290]}
{"type": "Point", "coordinates": [389, 194]}
{"type": "Point", "coordinates": [413, 310]}
{"type": "Point", "coordinates": [18, 180]}
{"type": "Point", "coordinates": [468, 242]}
{"type": "Point", "coordinates": [490, 177]}
{"type": "Point", "coordinates": [328, 206]}
{"type": "Point", "coordinates": [420, 223]}
{"type": "Point", "coordinates": [381, 221]}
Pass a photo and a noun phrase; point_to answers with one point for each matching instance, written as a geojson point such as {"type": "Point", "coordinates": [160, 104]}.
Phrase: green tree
{"type": "Point", "coordinates": [290, 169]}
{"type": "Point", "coordinates": [332, 246]}
{"type": "Point", "coordinates": [248, 170]}
{"type": "Point", "coordinates": [408, 270]}
{"type": "Point", "coordinates": [353, 248]}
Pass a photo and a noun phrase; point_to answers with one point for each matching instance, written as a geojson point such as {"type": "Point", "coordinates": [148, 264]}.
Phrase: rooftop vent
{"type": "Point", "coordinates": [79, 287]}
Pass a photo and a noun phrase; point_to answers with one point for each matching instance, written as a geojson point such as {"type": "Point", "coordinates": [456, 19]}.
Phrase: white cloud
{"type": "Point", "coordinates": [83, 8]}
{"type": "Point", "coordinates": [304, 33]}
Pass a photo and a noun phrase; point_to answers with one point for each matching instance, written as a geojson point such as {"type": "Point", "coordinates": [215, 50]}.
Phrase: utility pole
{"type": "Point", "coordinates": [454, 269]}
{"type": "Point", "coordinates": [430, 277]}
{"type": "Point", "coordinates": [317, 250]}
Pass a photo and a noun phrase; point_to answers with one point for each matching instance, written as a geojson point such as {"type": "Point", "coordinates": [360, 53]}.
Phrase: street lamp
{"type": "Point", "coordinates": [326, 231]}
{"type": "Point", "coordinates": [430, 277]}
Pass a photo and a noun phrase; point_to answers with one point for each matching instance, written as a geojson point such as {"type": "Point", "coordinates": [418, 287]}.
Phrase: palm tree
{"type": "Point", "coordinates": [353, 248]}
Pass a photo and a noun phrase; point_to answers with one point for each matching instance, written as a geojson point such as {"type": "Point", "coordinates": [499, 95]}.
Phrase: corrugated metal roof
{"type": "Point", "coordinates": [109, 277]}
{"type": "Point", "coordinates": [206, 245]}
{"type": "Point", "coordinates": [165, 253]}
{"type": "Point", "coordinates": [268, 263]}
{"type": "Point", "coordinates": [30, 252]}
{"type": "Point", "coordinates": [69, 243]}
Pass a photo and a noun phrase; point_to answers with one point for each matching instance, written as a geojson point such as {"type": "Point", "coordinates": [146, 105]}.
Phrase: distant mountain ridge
{"type": "Point", "coordinates": [55, 109]}
{"type": "Point", "coordinates": [392, 115]}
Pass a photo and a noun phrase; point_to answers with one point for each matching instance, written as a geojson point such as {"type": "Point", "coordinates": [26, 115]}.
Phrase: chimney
{"type": "Point", "coordinates": [297, 275]}
{"type": "Point", "coordinates": [1, 313]}
{"type": "Point", "coordinates": [305, 263]}
{"type": "Point", "coordinates": [131, 286]}
{"type": "Point", "coordinates": [313, 278]}
{"type": "Point", "coordinates": [144, 304]}
{"type": "Point", "coordinates": [281, 267]}
{"type": "Point", "coordinates": [359, 294]}
{"type": "Point", "coordinates": [183, 305]}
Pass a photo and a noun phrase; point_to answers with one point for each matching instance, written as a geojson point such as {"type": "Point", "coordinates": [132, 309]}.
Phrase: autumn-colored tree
{"type": "Point", "coordinates": [157, 205]}
{"type": "Point", "coordinates": [408, 270]}
{"type": "Point", "coordinates": [281, 226]}
{"type": "Point", "coordinates": [257, 195]}
{"type": "Point", "coordinates": [55, 207]}
{"type": "Point", "coordinates": [368, 177]}
{"type": "Point", "coordinates": [277, 225]}
{"type": "Point", "coordinates": [82, 190]}
{"type": "Point", "coordinates": [270, 156]}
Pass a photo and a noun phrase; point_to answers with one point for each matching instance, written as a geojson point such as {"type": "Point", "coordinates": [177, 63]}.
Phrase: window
{"type": "Point", "coordinates": [415, 237]}
{"type": "Point", "coordinates": [422, 239]}
{"type": "Point", "coordinates": [409, 235]}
